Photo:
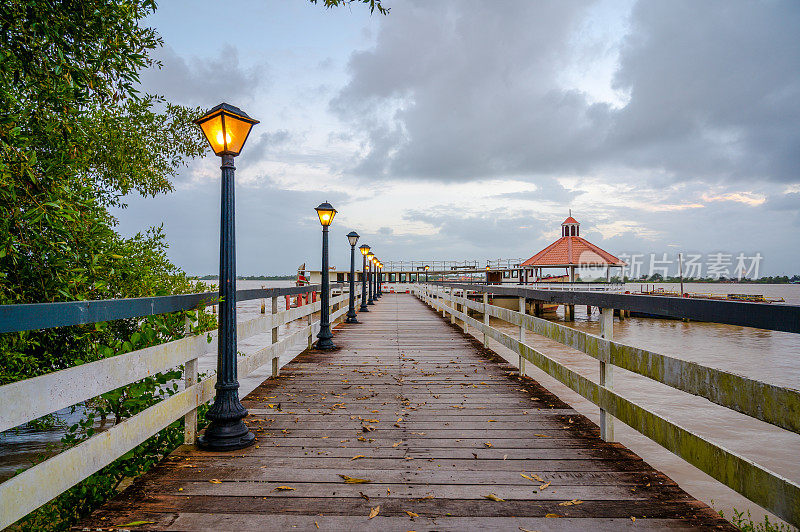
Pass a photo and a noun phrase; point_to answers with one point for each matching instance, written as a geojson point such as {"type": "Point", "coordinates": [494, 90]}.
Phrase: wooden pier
{"type": "Point", "coordinates": [410, 425]}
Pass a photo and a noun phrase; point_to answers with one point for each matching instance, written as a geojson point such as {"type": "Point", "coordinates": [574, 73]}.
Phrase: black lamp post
{"type": "Point", "coordinates": [376, 280]}
{"type": "Point", "coordinates": [370, 256]}
{"type": "Point", "coordinates": [487, 274]}
{"type": "Point", "coordinates": [380, 279]}
{"type": "Point", "coordinates": [226, 128]}
{"type": "Point", "coordinates": [352, 237]}
{"type": "Point", "coordinates": [364, 250]}
{"type": "Point", "coordinates": [426, 273]}
{"type": "Point", "coordinates": [326, 212]}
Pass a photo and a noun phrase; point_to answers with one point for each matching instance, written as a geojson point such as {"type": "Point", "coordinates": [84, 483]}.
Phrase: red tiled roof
{"type": "Point", "coordinates": [569, 220]}
{"type": "Point", "coordinates": [572, 250]}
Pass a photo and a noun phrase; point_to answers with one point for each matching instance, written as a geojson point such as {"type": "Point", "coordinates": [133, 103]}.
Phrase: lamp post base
{"type": "Point", "coordinates": [363, 308]}
{"type": "Point", "coordinates": [226, 436]}
{"type": "Point", "coordinates": [325, 344]}
{"type": "Point", "coordinates": [351, 320]}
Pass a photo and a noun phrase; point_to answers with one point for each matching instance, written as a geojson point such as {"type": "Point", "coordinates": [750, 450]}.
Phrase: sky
{"type": "Point", "coordinates": [466, 129]}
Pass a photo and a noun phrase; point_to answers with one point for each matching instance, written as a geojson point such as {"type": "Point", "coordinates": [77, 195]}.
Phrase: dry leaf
{"type": "Point", "coordinates": [633, 519]}
{"type": "Point", "coordinates": [396, 444]}
{"type": "Point", "coordinates": [136, 523]}
{"type": "Point", "coordinates": [537, 477]}
{"type": "Point", "coordinates": [316, 524]}
{"type": "Point", "coordinates": [412, 514]}
{"type": "Point", "coordinates": [488, 444]}
{"type": "Point", "coordinates": [215, 481]}
{"type": "Point", "coordinates": [573, 502]}
{"type": "Point", "coordinates": [542, 435]}
{"type": "Point", "coordinates": [523, 475]}
{"type": "Point", "coordinates": [353, 480]}
{"type": "Point", "coordinates": [526, 530]}
{"type": "Point", "coordinates": [365, 497]}
{"type": "Point", "coordinates": [552, 515]}
{"type": "Point", "coordinates": [493, 497]}
{"type": "Point", "coordinates": [375, 511]}
{"type": "Point", "coordinates": [543, 486]}
{"type": "Point", "coordinates": [356, 457]}
{"type": "Point", "coordinates": [284, 488]}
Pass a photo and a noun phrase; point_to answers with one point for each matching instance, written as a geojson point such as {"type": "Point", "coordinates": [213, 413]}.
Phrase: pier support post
{"type": "Point", "coordinates": [274, 334]}
{"type": "Point", "coordinates": [606, 371]}
{"type": "Point", "coordinates": [485, 318]}
{"type": "Point", "coordinates": [521, 337]}
{"type": "Point", "coordinates": [621, 315]}
{"type": "Point", "coordinates": [190, 379]}
{"type": "Point", "coordinates": [569, 312]}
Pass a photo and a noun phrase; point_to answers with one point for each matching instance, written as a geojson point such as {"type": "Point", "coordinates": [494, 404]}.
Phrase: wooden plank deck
{"type": "Point", "coordinates": [434, 422]}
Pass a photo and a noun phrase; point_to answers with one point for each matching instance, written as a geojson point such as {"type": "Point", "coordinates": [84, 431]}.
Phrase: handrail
{"type": "Point", "coordinates": [31, 316]}
{"type": "Point", "coordinates": [38, 396]}
{"type": "Point", "coordinates": [762, 486]}
{"type": "Point", "coordinates": [784, 318]}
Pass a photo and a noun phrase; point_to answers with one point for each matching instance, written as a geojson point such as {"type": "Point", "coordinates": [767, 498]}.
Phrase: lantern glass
{"type": "Point", "coordinates": [364, 249]}
{"type": "Point", "coordinates": [352, 237]}
{"type": "Point", "coordinates": [226, 129]}
{"type": "Point", "coordinates": [370, 255]}
{"type": "Point", "coordinates": [326, 212]}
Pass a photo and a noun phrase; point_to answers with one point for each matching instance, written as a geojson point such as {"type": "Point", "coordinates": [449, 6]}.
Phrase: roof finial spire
{"type": "Point", "coordinates": [570, 212]}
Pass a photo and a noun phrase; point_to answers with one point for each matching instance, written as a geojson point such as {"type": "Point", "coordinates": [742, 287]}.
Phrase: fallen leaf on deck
{"type": "Point", "coordinates": [633, 519]}
{"type": "Point", "coordinates": [523, 475]}
{"type": "Point", "coordinates": [542, 435]}
{"type": "Point", "coordinates": [361, 438]}
{"type": "Point", "coordinates": [543, 486]}
{"type": "Point", "coordinates": [375, 511]}
{"type": "Point", "coordinates": [215, 481]}
{"type": "Point", "coordinates": [573, 502]}
{"type": "Point", "coordinates": [488, 444]}
{"type": "Point", "coordinates": [353, 480]}
{"type": "Point", "coordinates": [136, 523]}
{"type": "Point", "coordinates": [365, 497]}
{"type": "Point", "coordinates": [537, 477]}
{"type": "Point", "coordinates": [493, 497]}
{"type": "Point", "coordinates": [356, 457]}
{"type": "Point", "coordinates": [552, 515]}
{"type": "Point", "coordinates": [396, 444]}
{"type": "Point", "coordinates": [316, 524]}
{"type": "Point", "coordinates": [284, 488]}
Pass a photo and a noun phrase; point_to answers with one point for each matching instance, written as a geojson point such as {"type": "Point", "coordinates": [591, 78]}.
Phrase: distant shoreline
{"type": "Point", "coordinates": [249, 277]}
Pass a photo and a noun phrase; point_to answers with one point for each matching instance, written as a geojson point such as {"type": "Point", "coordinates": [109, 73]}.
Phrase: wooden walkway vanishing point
{"type": "Point", "coordinates": [442, 434]}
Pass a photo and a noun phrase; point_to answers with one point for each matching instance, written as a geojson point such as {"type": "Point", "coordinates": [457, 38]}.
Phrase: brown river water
{"type": "Point", "coordinates": [769, 356]}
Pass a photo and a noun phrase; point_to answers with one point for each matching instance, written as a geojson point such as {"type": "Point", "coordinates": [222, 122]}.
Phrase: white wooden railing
{"type": "Point", "coordinates": [23, 401]}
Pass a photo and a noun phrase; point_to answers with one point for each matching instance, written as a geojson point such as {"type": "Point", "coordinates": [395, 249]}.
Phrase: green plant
{"type": "Point", "coordinates": [746, 523]}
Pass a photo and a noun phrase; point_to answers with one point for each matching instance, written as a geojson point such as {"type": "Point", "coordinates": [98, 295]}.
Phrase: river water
{"type": "Point", "coordinates": [769, 356]}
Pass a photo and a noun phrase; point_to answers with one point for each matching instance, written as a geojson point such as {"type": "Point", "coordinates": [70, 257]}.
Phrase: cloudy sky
{"type": "Point", "coordinates": [467, 129]}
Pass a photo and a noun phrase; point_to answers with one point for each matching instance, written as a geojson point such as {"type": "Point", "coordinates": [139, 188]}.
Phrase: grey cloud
{"type": "Point", "coordinates": [549, 189]}
{"type": "Point", "coordinates": [465, 90]}
{"type": "Point", "coordinates": [202, 82]}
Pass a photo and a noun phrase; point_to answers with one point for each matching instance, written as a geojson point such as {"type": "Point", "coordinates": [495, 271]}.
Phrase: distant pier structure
{"type": "Point", "coordinates": [571, 251]}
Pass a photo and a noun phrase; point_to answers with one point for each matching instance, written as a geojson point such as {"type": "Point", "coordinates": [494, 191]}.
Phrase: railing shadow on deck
{"type": "Point", "coordinates": [777, 405]}
{"type": "Point", "coordinates": [30, 399]}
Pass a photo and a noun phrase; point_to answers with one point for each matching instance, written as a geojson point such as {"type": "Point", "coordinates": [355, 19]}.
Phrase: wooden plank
{"type": "Point", "coordinates": [421, 455]}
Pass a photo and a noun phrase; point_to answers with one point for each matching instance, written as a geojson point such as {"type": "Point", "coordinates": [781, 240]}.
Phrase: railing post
{"type": "Point", "coordinates": [452, 306]}
{"type": "Point", "coordinates": [274, 334]}
{"type": "Point", "coordinates": [485, 318]}
{"type": "Point", "coordinates": [190, 379]}
{"type": "Point", "coordinates": [606, 371]}
{"type": "Point", "coordinates": [521, 337]}
{"type": "Point", "coordinates": [442, 301]}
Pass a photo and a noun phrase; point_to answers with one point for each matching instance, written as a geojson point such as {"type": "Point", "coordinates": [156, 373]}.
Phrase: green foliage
{"type": "Point", "coordinates": [746, 524]}
{"type": "Point", "coordinates": [373, 4]}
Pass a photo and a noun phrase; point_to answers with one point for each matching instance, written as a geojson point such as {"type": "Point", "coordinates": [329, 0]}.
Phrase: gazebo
{"type": "Point", "coordinates": [571, 251]}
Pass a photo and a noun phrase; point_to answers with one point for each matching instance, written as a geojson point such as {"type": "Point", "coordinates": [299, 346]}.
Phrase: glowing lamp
{"type": "Point", "coordinates": [326, 212]}
{"type": "Point", "coordinates": [226, 128]}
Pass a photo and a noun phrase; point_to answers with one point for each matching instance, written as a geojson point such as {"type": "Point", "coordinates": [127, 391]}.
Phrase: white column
{"type": "Point", "coordinates": [486, 317]}
{"type": "Point", "coordinates": [606, 371]}
{"type": "Point", "coordinates": [521, 337]}
{"type": "Point", "coordinates": [274, 334]}
{"type": "Point", "coordinates": [190, 379]}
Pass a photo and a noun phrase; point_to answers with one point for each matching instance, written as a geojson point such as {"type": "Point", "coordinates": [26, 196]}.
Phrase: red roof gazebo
{"type": "Point", "coordinates": [571, 251]}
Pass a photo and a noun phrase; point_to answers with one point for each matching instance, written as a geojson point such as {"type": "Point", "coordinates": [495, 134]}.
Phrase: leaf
{"type": "Point", "coordinates": [136, 523]}
{"type": "Point", "coordinates": [488, 444]}
{"type": "Point", "coordinates": [356, 457]}
{"type": "Point", "coordinates": [493, 497]}
{"type": "Point", "coordinates": [354, 480]}
{"type": "Point", "coordinates": [365, 497]}
{"type": "Point", "coordinates": [537, 477]}
{"type": "Point", "coordinates": [412, 514]}
{"type": "Point", "coordinates": [573, 502]}
{"type": "Point", "coordinates": [375, 511]}
{"type": "Point", "coordinates": [284, 488]}
{"type": "Point", "coordinates": [552, 515]}
{"type": "Point", "coordinates": [543, 486]}
{"type": "Point", "coordinates": [523, 475]}
{"type": "Point", "coordinates": [215, 481]}
{"type": "Point", "coordinates": [396, 444]}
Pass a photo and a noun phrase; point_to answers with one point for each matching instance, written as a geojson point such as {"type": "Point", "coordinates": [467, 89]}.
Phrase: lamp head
{"type": "Point", "coordinates": [364, 249]}
{"type": "Point", "coordinates": [226, 128]}
{"type": "Point", "coordinates": [352, 237]}
{"type": "Point", "coordinates": [326, 212]}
